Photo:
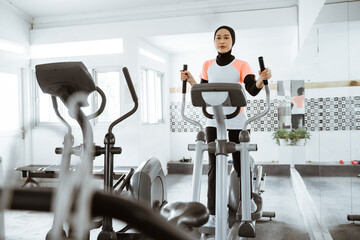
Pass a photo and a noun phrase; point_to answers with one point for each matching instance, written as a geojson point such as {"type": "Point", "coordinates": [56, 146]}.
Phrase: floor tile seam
{"type": "Point", "coordinates": [316, 230]}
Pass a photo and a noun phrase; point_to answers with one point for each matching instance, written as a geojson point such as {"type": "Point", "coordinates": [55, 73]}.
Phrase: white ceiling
{"type": "Point", "coordinates": [53, 13]}
{"type": "Point", "coordinates": [39, 10]}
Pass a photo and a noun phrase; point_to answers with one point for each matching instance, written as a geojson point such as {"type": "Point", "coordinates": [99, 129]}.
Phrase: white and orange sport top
{"type": "Point", "coordinates": [299, 104]}
{"type": "Point", "coordinates": [234, 72]}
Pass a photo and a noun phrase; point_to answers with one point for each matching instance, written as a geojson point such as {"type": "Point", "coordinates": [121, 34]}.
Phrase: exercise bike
{"type": "Point", "coordinates": [238, 214]}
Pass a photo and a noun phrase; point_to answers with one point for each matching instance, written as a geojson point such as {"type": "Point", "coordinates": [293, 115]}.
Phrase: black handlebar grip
{"type": "Point", "coordinates": [184, 82]}
{"type": "Point", "coordinates": [58, 150]}
{"type": "Point", "coordinates": [262, 68]}
{"type": "Point", "coordinates": [116, 150]}
{"type": "Point", "coordinates": [130, 84]}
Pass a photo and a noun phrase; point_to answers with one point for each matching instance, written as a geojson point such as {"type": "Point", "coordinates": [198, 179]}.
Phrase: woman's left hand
{"type": "Point", "coordinates": [264, 75]}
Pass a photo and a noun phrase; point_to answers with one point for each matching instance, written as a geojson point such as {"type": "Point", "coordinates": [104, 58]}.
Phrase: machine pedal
{"type": "Point", "coordinates": [247, 229]}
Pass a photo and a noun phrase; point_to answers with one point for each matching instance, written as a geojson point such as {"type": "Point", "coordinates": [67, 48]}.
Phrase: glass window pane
{"type": "Point", "coordinates": [158, 97]}
{"type": "Point", "coordinates": [109, 82]}
{"type": "Point", "coordinates": [9, 100]}
{"type": "Point", "coordinates": [46, 111]}
{"type": "Point", "coordinates": [152, 96]}
{"type": "Point", "coordinates": [143, 97]}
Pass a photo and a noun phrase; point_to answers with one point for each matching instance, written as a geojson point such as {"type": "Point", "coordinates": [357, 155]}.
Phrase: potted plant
{"type": "Point", "coordinates": [281, 136]}
{"type": "Point", "coordinates": [186, 160]}
{"type": "Point", "coordinates": [300, 135]}
{"type": "Point", "coordinates": [292, 137]}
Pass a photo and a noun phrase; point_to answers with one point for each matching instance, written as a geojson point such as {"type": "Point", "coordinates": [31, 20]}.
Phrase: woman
{"type": "Point", "coordinates": [226, 68]}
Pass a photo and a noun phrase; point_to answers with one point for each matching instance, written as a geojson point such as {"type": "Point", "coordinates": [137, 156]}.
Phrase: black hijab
{"type": "Point", "coordinates": [223, 59]}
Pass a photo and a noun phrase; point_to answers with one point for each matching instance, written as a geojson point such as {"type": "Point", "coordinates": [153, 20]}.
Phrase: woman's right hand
{"type": "Point", "coordinates": [186, 75]}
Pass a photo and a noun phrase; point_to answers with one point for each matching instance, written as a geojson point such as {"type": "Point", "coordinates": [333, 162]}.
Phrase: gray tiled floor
{"type": "Point", "coordinates": [335, 198]}
{"type": "Point", "coordinates": [278, 197]}
{"type": "Point", "coordinates": [332, 196]}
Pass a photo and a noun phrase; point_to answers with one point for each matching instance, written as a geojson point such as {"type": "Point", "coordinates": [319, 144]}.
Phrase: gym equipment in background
{"type": "Point", "coordinates": [240, 219]}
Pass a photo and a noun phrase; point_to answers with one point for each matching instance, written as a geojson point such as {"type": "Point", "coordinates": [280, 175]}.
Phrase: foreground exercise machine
{"type": "Point", "coordinates": [137, 215]}
{"type": "Point", "coordinates": [70, 83]}
{"type": "Point", "coordinates": [146, 184]}
{"type": "Point", "coordinates": [238, 215]}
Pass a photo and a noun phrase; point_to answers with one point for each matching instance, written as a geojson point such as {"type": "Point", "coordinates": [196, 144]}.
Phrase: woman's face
{"type": "Point", "coordinates": [223, 41]}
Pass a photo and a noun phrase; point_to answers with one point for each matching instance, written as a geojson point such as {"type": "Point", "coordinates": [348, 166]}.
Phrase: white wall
{"type": "Point", "coordinates": [327, 55]}
{"type": "Point", "coordinates": [14, 25]}
{"type": "Point", "coordinates": [14, 36]}
{"type": "Point", "coordinates": [15, 32]}
{"type": "Point", "coordinates": [308, 12]}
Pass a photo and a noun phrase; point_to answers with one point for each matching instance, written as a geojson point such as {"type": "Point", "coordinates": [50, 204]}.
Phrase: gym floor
{"type": "Point", "coordinates": [329, 195]}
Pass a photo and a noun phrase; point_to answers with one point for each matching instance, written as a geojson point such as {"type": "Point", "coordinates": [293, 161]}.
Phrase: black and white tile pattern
{"type": "Point", "coordinates": [268, 123]}
{"type": "Point", "coordinates": [322, 114]}
{"type": "Point", "coordinates": [333, 114]}
{"type": "Point", "coordinates": [177, 124]}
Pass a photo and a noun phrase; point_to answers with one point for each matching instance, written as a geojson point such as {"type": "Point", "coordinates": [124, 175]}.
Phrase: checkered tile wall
{"type": "Point", "coordinates": [333, 114]}
{"type": "Point", "coordinates": [322, 114]}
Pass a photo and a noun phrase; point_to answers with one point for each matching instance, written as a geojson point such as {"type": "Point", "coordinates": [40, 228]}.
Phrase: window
{"type": "Point", "coordinates": [9, 100]}
{"type": "Point", "coordinates": [151, 97]}
{"type": "Point", "coordinates": [45, 110]}
{"type": "Point", "coordinates": [109, 82]}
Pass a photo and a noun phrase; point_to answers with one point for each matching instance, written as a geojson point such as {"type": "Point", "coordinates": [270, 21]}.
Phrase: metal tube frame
{"type": "Point", "coordinates": [221, 177]}
{"type": "Point", "coordinates": [199, 149]}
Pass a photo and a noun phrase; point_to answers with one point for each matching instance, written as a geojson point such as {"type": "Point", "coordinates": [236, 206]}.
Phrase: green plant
{"type": "Point", "coordinates": [186, 160]}
{"type": "Point", "coordinates": [292, 136]}
{"type": "Point", "coordinates": [281, 134]}
{"type": "Point", "coordinates": [300, 133]}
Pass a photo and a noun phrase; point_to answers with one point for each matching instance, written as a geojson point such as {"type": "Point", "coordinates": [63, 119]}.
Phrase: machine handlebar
{"type": "Point", "coordinates": [130, 84]}
{"type": "Point", "coordinates": [184, 82]}
{"type": "Point", "coordinates": [228, 116]}
{"type": "Point", "coordinates": [191, 121]}
{"type": "Point", "coordinates": [262, 68]}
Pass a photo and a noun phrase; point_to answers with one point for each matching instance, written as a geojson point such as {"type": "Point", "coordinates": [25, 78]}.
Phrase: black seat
{"type": "Point", "coordinates": [186, 214]}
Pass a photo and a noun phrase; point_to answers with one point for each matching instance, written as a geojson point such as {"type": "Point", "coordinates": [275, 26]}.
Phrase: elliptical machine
{"type": "Point", "coordinates": [240, 219]}
{"type": "Point", "coordinates": [146, 185]}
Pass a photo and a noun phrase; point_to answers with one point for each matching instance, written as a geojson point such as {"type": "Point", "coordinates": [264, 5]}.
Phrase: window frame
{"type": "Point", "coordinates": [47, 124]}
{"type": "Point", "coordinates": [96, 98]}
{"type": "Point", "coordinates": [92, 99]}
{"type": "Point", "coordinates": [146, 104]}
{"type": "Point", "coordinates": [18, 131]}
